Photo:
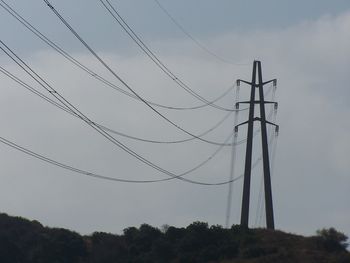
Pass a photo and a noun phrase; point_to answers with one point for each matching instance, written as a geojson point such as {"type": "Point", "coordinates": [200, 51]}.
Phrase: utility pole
{"type": "Point", "coordinates": [257, 83]}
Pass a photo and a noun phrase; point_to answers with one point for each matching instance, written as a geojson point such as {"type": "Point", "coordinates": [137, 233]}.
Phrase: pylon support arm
{"type": "Point", "coordinates": [237, 103]}
{"type": "Point", "coordinates": [236, 127]}
{"type": "Point", "coordinates": [257, 85]}
{"type": "Point", "coordinates": [276, 126]}
{"type": "Point", "coordinates": [246, 122]}
{"type": "Point", "coordinates": [246, 82]}
{"type": "Point", "coordinates": [257, 102]}
{"type": "Point", "coordinates": [268, 122]}
{"type": "Point", "coordinates": [271, 123]}
{"type": "Point", "coordinates": [256, 119]}
{"type": "Point", "coordinates": [272, 80]}
{"type": "Point", "coordinates": [269, 102]}
{"type": "Point", "coordinates": [272, 102]}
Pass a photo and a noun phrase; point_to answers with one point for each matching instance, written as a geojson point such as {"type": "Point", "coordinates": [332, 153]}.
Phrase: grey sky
{"type": "Point", "coordinates": [203, 18]}
{"type": "Point", "coordinates": [305, 44]}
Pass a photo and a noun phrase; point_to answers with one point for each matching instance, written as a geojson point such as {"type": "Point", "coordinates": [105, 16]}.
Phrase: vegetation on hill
{"type": "Point", "coordinates": [24, 241]}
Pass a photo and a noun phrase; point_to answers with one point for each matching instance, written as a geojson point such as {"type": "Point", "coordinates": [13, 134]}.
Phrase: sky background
{"type": "Point", "coordinates": [304, 44]}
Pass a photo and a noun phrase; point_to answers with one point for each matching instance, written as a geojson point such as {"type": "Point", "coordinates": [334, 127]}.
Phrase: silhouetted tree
{"type": "Point", "coordinates": [24, 241]}
{"type": "Point", "coordinates": [332, 240]}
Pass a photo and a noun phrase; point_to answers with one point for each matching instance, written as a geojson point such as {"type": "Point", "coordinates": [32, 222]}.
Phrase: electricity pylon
{"type": "Point", "coordinates": [257, 83]}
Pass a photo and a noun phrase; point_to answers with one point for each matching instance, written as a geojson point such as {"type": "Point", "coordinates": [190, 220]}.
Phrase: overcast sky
{"type": "Point", "coordinates": [304, 44]}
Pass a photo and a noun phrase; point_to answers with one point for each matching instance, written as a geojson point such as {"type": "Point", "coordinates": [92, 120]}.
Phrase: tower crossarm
{"type": "Point", "coordinates": [256, 85]}
{"type": "Point", "coordinates": [256, 119]}
{"type": "Point", "coordinates": [269, 81]}
{"type": "Point", "coordinates": [256, 102]}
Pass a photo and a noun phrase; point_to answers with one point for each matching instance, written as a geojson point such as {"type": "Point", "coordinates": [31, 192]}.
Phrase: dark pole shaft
{"type": "Point", "coordinates": [266, 162]}
{"type": "Point", "coordinates": [248, 157]}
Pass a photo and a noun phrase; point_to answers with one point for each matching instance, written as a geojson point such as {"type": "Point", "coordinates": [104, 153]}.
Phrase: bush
{"type": "Point", "coordinates": [332, 240]}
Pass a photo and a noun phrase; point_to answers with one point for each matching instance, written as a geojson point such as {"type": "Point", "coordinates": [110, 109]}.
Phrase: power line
{"type": "Point", "coordinates": [84, 118]}
{"type": "Point", "coordinates": [196, 41]}
{"type": "Point", "coordinates": [74, 32]}
{"type": "Point", "coordinates": [77, 170]}
{"type": "Point", "coordinates": [232, 167]}
{"type": "Point", "coordinates": [89, 71]}
{"type": "Point", "coordinates": [71, 29]}
{"type": "Point", "coordinates": [72, 113]}
{"type": "Point", "coordinates": [54, 93]}
{"type": "Point", "coordinates": [131, 33]}
{"type": "Point", "coordinates": [43, 96]}
{"type": "Point", "coordinates": [272, 139]}
{"type": "Point", "coordinates": [65, 104]}
{"type": "Point", "coordinates": [102, 177]}
{"type": "Point", "coordinates": [119, 78]}
{"type": "Point", "coordinates": [33, 90]}
{"type": "Point", "coordinates": [71, 168]}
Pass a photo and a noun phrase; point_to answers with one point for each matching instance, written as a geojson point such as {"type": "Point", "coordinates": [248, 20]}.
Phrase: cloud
{"type": "Point", "coordinates": [311, 179]}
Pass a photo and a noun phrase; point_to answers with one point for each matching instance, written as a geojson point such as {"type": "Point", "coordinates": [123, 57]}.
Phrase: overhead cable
{"type": "Point", "coordinates": [90, 123]}
{"type": "Point", "coordinates": [43, 96]}
{"type": "Point", "coordinates": [232, 167]}
{"type": "Point", "coordinates": [120, 79]}
{"type": "Point", "coordinates": [49, 100]}
{"type": "Point", "coordinates": [95, 175]}
{"type": "Point", "coordinates": [88, 70]}
{"type": "Point", "coordinates": [196, 41]}
{"type": "Point", "coordinates": [131, 33]}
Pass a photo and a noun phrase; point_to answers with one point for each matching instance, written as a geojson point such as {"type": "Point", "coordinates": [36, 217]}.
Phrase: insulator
{"type": "Point", "coordinates": [275, 83]}
{"type": "Point", "coordinates": [276, 106]}
{"type": "Point", "coordinates": [236, 130]}
{"type": "Point", "coordinates": [277, 130]}
{"type": "Point", "coordinates": [238, 83]}
{"type": "Point", "coordinates": [237, 105]}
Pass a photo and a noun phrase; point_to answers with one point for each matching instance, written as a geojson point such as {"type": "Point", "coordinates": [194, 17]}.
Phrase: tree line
{"type": "Point", "coordinates": [24, 241]}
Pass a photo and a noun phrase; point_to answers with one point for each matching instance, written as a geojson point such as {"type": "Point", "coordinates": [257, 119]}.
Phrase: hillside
{"type": "Point", "coordinates": [23, 241]}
